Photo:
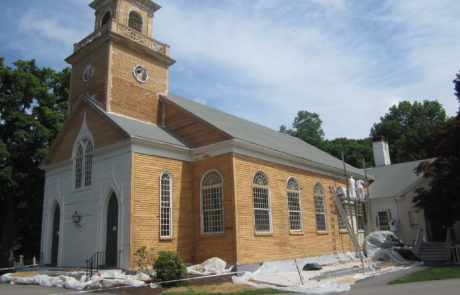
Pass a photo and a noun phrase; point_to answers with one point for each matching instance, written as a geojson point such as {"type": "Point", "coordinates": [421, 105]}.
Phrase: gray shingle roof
{"type": "Point", "coordinates": [394, 180]}
{"type": "Point", "coordinates": [144, 130]}
{"type": "Point", "coordinates": [254, 133]}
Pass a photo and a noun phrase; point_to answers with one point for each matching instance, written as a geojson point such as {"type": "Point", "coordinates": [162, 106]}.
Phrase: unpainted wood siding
{"type": "Point", "coordinates": [145, 205]}
{"type": "Point", "coordinates": [283, 244]}
{"type": "Point", "coordinates": [104, 132]}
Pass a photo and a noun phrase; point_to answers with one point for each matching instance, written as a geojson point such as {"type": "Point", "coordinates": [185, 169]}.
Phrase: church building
{"type": "Point", "coordinates": [135, 165]}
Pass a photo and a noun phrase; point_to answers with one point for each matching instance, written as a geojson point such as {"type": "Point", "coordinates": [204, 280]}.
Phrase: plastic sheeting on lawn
{"type": "Point", "coordinates": [283, 275]}
{"type": "Point", "coordinates": [208, 267]}
{"type": "Point", "coordinates": [378, 246]}
{"type": "Point", "coordinates": [105, 278]}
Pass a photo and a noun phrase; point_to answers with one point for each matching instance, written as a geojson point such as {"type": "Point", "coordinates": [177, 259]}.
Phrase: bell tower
{"type": "Point", "coordinates": [119, 65]}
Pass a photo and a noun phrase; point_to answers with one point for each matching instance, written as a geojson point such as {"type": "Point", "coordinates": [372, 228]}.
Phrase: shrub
{"type": "Point", "coordinates": [144, 259]}
{"type": "Point", "coordinates": [168, 267]}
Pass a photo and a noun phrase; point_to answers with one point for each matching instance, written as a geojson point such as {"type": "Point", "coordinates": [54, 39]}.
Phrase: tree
{"type": "Point", "coordinates": [441, 200]}
{"type": "Point", "coordinates": [33, 106]}
{"type": "Point", "coordinates": [409, 128]}
{"type": "Point", "coordinates": [354, 150]}
{"type": "Point", "coordinates": [306, 126]}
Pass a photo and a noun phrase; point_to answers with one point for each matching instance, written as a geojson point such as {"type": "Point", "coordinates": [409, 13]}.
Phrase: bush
{"type": "Point", "coordinates": [168, 267]}
{"type": "Point", "coordinates": [144, 259]}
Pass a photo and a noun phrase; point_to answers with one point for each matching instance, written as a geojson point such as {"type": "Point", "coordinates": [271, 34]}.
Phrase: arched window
{"type": "Point", "coordinates": [341, 195]}
{"type": "Point", "coordinates": [293, 197]}
{"type": "Point", "coordinates": [79, 166]}
{"type": "Point", "coordinates": [262, 206]}
{"type": "Point", "coordinates": [106, 18]}
{"type": "Point", "coordinates": [319, 207]}
{"type": "Point", "coordinates": [84, 163]}
{"type": "Point", "coordinates": [165, 206]}
{"type": "Point", "coordinates": [135, 21]}
{"type": "Point", "coordinates": [212, 206]}
{"type": "Point", "coordinates": [88, 163]}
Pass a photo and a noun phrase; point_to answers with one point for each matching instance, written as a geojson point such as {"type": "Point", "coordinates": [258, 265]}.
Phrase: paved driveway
{"type": "Point", "coordinates": [379, 286]}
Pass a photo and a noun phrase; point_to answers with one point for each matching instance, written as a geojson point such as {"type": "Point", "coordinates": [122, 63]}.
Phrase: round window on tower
{"type": "Point", "coordinates": [140, 73]}
{"type": "Point", "coordinates": [88, 73]}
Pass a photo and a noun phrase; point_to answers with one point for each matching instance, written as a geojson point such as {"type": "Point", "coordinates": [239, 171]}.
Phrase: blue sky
{"type": "Point", "coordinates": [264, 60]}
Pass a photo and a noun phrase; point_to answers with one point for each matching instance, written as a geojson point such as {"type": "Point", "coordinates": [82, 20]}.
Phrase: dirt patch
{"type": "Point", "coordinates": [22, 274]}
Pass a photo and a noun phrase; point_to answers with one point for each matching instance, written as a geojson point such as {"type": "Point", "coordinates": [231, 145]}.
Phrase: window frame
{"type": "Point", "coordinates": [83, 164]}
{"type": "Point", "coordinates": [170, 208]}
{"type": "Point", "coordinates": [379, 220]}
{"type": "Point", "coordinates": [342, 220]}
{"type": "Point", "coordinates": [262, 187]}
{"type": "Point", "coordinates": [295, 193]}
{"type": "Point", "coordinates": [130, 19]}
{"type": "Point", "coordinates": [319, 195]}
{"type": "Point", "coordinates": [221, 209]}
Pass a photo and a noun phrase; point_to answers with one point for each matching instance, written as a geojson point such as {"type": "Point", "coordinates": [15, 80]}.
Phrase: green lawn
{"type": "Point", "coordinates": [430, 274]}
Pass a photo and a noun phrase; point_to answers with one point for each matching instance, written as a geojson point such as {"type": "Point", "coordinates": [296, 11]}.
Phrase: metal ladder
{"type": "Point", "coordinates": [343, 215]}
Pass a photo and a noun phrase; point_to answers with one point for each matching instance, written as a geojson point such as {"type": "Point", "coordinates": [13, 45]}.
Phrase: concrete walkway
{"type": "Point", "coordinates": [379, 285]}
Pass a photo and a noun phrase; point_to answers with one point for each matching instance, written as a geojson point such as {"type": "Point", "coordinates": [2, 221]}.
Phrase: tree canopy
{"type": "Point", "coordinates": [33, 106]}
{"type": "Point", "coordinates": [441, 200]}
{"type": "Point", "coordinates": [410, 128]}
{"type": "Point", "coordinates": [306, 126]}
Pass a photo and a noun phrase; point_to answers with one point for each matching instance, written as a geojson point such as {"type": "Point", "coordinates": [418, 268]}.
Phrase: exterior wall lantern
{"type": "Point", "coordinates": [76, 218]}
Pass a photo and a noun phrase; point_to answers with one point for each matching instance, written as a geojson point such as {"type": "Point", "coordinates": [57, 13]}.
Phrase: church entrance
{"type": "Point", "coordinates": [112, 232]}
{"type": "Point", "coordinates": [55, 237]}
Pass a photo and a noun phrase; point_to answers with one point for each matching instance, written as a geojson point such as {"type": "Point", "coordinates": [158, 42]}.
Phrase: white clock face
{"type": "Point", "coordinates": [140, 73]}
{"type": "Point", "coordinates": [88, 73]}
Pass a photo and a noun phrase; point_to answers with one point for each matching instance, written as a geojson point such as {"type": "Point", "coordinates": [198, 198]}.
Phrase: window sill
{"type": "Point", "coordinates": [321, 232]}
{"type": "Point", "coordinates": [296, 233]}
{"type": "Point", "coordinates": [343, 231]}
{"type": "Point", "coordinates": [212, 234]}
{"type": "Point", "coordinates": [82, 189]}
{"type": "Point", "coordinates": [263, 234]}
{"type": "Point", "coordinates": [166, 239]}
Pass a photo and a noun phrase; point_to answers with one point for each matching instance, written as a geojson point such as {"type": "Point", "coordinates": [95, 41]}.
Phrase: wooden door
{"type": "Point", "coordinates": [55, 238]}
{"type": "Point", "coordinates": [112, 232]}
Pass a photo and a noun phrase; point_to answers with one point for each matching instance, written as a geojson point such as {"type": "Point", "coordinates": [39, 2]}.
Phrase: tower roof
{"type": "Point", "coordinates": [151, 6]}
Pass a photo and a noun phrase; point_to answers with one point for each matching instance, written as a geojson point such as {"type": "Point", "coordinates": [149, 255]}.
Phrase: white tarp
{"type": "Point", "coordinates": [211, 266]}
{"type": "Point", "coordinates": [378, 246]}
{"type": "Point", "coordinates": [104, 279]}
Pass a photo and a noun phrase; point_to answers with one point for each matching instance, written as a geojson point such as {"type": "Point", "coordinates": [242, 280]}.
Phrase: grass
{"type": "Point", "coordinates": [190, 291]}
{"type": "Point", "coordinates": [430, 274]}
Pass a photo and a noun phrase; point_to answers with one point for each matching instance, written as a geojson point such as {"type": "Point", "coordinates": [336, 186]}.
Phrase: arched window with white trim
{"type": "Point", "coordinates": [165, 206]}
{"type": "Point", "coordinates": [212, 205]}
{"type": "Point", "coordinates": [262, 205]}
{"type": "Point", "coordinates": [342, 219]}
{"type": "Point", "coordinates": [79, 166]}
{"type": "Point", "coordinates": [293, 198]}
{"type": "Point", "coordinates": [318, 196]}
{"type": "Point", "coordinates": [83, 163]}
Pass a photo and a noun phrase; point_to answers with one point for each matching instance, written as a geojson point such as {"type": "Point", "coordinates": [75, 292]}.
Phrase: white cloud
{"type": "Point", "coordinates": [265, 60]}
{"type": "Point", "coordinates": [349, 77]}
{"type": "Point", "coordinates": [33, 23]}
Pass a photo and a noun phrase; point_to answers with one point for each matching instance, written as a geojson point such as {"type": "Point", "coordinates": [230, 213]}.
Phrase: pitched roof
{"type": "Point", "coordinates": [394, 180]}
{"type": "Point", "coordinates": [257, 134]}
{"type": "Point", "coordinates": [136, 128]}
